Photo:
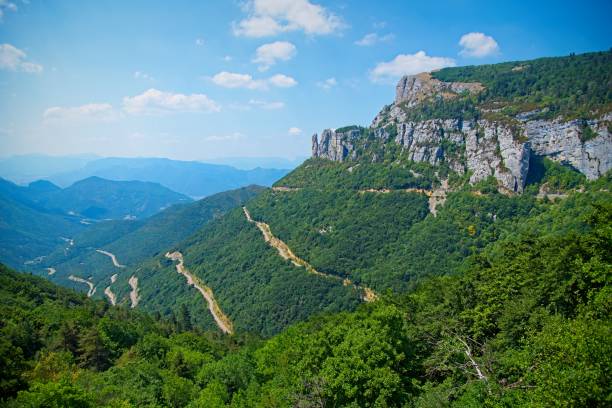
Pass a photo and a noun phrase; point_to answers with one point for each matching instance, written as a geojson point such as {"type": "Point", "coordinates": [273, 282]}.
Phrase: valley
{"type": "Point", "coordinates": [454, 253]}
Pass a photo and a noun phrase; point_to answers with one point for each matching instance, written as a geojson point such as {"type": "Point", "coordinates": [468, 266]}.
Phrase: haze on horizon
{"type": "Point", "coordinates": [196, 81]}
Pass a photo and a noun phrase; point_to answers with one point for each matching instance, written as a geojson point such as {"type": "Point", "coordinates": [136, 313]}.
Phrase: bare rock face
{"type": "Point", "coordinates": [493, 150]}
{"type": "Point", "coordinates": [413, 89]}
{"type": "Point", "coordinates": [490, 150]}
{"type": "Point", "coordinates": [337, 146]}
{"type": "Point", "coordinates": [563, 142]}
{"type": "Point", "coordinates": [484, 148]}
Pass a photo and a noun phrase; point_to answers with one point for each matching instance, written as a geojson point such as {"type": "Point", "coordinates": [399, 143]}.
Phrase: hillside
{"type": "Point", "coordinates": [29, 232]}
{"type": "Point", "coordinates": [373, 218]}
{"type": "Point", "coordinates": [132, 242]}
{"type": "Point", "coordinates": [35, 219]}
{"type": "Point", "coordinates": [98, 198]}
{"type": "Point", "coordinates": [194, 179]}
{"type": "Point", "coordinates": [526, 323]}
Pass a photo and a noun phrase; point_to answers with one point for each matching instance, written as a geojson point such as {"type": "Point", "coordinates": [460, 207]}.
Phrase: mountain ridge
{"type": "Point", "coordinates": [482, 129]}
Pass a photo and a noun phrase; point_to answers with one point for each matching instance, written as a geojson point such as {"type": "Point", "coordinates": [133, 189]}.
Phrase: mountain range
{"type": "Point", "coordinates": [192, 178]}
{"type": "Point", "coordinates": [454, 253]}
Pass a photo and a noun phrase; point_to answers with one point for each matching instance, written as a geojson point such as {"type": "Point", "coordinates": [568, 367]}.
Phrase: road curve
{"type": "Point", "coordinates": [222, 321]}
{"type": "Point", "coordinates": [112, 257]}
{"type": "Point", "coordinates": [134, 298]}
{"type": "Point", "coordinates": [92, 288]}
{"type": "Point", "coordinates": [285, 252]}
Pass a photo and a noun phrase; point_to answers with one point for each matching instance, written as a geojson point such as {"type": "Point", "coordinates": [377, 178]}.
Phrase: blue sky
{"type": "Point", "coordinates": [208, 79]}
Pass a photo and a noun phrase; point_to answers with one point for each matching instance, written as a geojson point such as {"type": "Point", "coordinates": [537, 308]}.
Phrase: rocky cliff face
{"type": "Point", "coordinates": [412, 89]}
{"type": "Point", "coordinates": [483, 147]}
{"type": "Point", "coordinates": [337, 146]}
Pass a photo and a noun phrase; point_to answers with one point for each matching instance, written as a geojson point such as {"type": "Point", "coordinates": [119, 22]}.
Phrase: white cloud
{"type": "Point", "coordinates": [143, 75]}
{"type": "Point", "coordinates": [267, 105]}
{"type": "Point", "coordinates": [271, 17]}
{"type": "Point", "coordinates": [14, 59]}
{"type": "Point", "coordinates": [268, 54]}
{"type": "Point", "coordinates": [282, 81]}
{"type": "Point", "coordinates": [102, 112]}
{"type": "Point", "coordinates": [199, 42]}
{"type": "Point", "coordinates": [295, 131]}
{"type": "Point", "coordinates": [408, 64]}
{"type": "Point", "coordinates": [373, 38]}
{"type": "Point", "coordinates": [478, 45]}
{"type": "Point", "coordinates": [235, 80]}
{"type": "Point", "coordinates": [154, 101]}
{"type": "Point", "coordinates": [328, 83]}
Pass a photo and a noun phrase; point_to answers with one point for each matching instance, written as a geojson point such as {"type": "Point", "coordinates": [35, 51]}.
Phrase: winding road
{"type": "Point", "coordinates": [134, 298]}
{"type": "Point", "coordinates": [222, 321]}
{"type": "Point", "coordinates": [107, 291]}
{"type": "Point", "coordinates": [92, 288]}
{"type": "Point", "coordinates": [285, 252]}
{"type": "Point", "coordinates": [436, 196]}
{"type": "Point", "coordinates": [110, 295]}
{"type": "Point", "coordinates": [112, 257]}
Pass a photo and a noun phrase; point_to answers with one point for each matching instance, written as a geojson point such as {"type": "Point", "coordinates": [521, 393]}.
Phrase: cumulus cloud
{"type": "Point", "coordinates": [373, 38]}
{"type": "Point", "coordinates": [282, 81]}
{"type": "Point", "coordinates": [14, 59]}
{"type": "Point", "coordinates": [235, 80]}
{"type": "Point", "coordinates": [408, 64]}
{"type": "Point", "coordinates": [295, 131]}
{"type": "Point", "coordinates": [154, 101]}
{"type": "Point", "coordinates": [478, 45]}
{"type": "Point", "coordinates": [102, 112]}
{"type": "Point", "coordinates": [271, 17]}
{"type": "Point", "coordinates": [268, 54]}
{"type": "Point", "coordinates": [329, 83]}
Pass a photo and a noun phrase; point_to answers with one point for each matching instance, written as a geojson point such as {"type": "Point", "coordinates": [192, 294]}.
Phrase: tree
{"type": "Point", "coordinates": [92, 352]}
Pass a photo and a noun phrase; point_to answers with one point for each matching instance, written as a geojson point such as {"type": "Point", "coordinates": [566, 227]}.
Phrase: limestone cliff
{"type": "Point", "coordinates": [485, 146]}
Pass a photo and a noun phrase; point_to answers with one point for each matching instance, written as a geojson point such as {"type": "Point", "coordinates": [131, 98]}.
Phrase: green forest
{"type": "Point", "coordinates": [525, 322]}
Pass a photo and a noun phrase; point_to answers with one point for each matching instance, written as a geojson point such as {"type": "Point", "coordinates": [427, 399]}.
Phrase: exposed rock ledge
{"type": "Point", "coordinates": [487, 148]}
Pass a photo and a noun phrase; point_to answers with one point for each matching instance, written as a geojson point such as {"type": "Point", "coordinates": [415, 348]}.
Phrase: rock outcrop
{"type": "Point", "coordinates": [482, 147]}
{"type": "Point", "coordinates": [565, 142]}
{"type": "Point", "coordinates": [337, 146]}
{"type": "Point", "coordinates": [413, 89]}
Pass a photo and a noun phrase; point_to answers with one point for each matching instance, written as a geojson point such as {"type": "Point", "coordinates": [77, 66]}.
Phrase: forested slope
{"type": "Point", "coordinates": [526, 322]}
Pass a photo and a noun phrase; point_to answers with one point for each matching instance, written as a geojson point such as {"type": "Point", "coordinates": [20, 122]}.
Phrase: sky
{"type": "Point", "coordinates": [197, 80]}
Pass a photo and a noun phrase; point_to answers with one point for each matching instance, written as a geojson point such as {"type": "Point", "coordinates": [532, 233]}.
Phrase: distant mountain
{"type": "Point", "coordinates": [98, 198]}
{"type": "Point", "coordinates": [37, 218]}
{"type": "Point", "coordinates": [191, 178]}
{"type": "Point", "coordinates": [28, 231]}
{"type": "Point", "coordinates": [250, 163]}
{"type": "Point", "coordinates": [23, 169]}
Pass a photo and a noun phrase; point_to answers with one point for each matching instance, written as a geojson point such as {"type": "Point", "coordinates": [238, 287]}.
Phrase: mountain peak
{"type": "Point", "coordinates": [517, 114]}
{"type": "Point", "coordinates": [414, 89]}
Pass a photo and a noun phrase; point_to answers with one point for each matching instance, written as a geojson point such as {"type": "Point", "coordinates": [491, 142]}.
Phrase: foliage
{"type": "Point", "coordinates": [523, 321]}
{"type": "Point", "coordinates": [576, 86]}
